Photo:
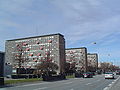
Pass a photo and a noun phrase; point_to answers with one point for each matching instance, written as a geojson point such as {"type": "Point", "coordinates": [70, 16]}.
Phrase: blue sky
{"type": "Point", "coordinates": [82, 22]}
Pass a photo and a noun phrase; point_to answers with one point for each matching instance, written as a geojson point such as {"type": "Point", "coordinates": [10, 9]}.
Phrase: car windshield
{"type": "Point", "coordinates": [87, 73]}
{"type": "Point", "coordinates": [109, 73]}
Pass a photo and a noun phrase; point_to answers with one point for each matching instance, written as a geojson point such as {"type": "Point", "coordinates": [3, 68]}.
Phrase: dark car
{"type": "Point", "coordinates": [8, 76]}
{"type": "Point", "coordinates": [77, 74]}
{"type": "Point", "coordinates": [118, 73]}
{"type": "Point", "coordinates": [87, 75]}
{"type": "Point", "coordinates": [93, 73]}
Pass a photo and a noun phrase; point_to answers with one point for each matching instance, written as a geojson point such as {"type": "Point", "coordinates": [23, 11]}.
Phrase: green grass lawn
{"type": "Point", "coordinates": [70, 76]}
{"type": "Point", "coordinates": [29, 80]}
{"type": "Point", "coordinates": [22, 80]}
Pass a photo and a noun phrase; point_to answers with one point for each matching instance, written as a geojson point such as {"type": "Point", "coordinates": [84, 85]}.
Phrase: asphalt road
{"type": "Point", "coordinates": [96, 83]}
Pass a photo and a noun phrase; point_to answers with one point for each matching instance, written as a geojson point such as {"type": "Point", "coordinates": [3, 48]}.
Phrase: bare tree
{"type": "Point", "coordinates": [46, 67]}
{"type": "Point", "coordinates": [67, 67]}
{"type": "Point", "coordinates": [105, 67]}
{"type": "Point", "coordinates": [19, 56]}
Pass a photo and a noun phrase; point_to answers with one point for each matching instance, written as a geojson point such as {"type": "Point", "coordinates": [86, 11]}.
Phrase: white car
{"type": "Point", "coordinates": [109, 75]}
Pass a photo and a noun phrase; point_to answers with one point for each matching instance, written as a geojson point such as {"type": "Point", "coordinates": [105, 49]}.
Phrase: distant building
{"type": "Point", "coordinates": [99, 64]}
{"type": "Point", "coordinates": [92, 59]}
{"type": "Point", "coordinates": [2, 64]}
{"type": "Point", "coordinates": [77, 56]}
{"type": "Point", "coordinates": [34, 50]}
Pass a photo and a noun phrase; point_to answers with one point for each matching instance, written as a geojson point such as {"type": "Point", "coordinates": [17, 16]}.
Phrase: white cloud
{"type": "Point", "coordinates": [78, 20]}
{"type": "Point", "coordinates": [83, 10]}
{"type": "Point", "coordinates": [95, 30]}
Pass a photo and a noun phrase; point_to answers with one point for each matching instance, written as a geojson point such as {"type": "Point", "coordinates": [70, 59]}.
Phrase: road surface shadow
{"type": "Point", "coordinates": [6, 86]}
{"type": "Point", "coordinates": [54, 80]}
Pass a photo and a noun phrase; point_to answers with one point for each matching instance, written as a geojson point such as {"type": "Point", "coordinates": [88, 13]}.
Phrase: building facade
{"type": "Point", "coordinates": [92, 59]}
{"type": "Point", "coordinates": [2, 64]}
{"type": "Point", "coordinates": [34, 50]}
{"type": "Point", "coordinates": [2, 68]}
{"type": "Point", "coordinates": [77, 56]}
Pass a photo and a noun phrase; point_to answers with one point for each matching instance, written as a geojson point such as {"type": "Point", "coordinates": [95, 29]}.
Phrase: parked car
{"type": "Point", "coordinates": [87, 75]}
{"type": "Point", "coordinates": [8, 76]}
{"type": "Point", "coordinates": [93, 73]}
{"type": "Point", "coordinates": [109, 75]}
{"type": "Point", "coordinates": [118, 73]}
{"type": "Point", "coordinates": [77, 74]}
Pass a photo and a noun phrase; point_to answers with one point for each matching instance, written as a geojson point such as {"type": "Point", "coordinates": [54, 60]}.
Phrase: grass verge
{"type": "Point", "coordinates": [22, 80]}
{"type": "Point", "coordinates": [29, 80]}
{"type": "Point", "coordinates": [70, 76]}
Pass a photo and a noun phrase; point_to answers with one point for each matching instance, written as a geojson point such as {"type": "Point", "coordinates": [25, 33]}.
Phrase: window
{"type": "Point", "coordinates": [17, 45]}
{"type": "Point", "coordinates": [49, 41]}
{"type": "Point", "coordinates": [24, 44]}
{"type": "Point", "coordinates": [27, 49]}
{"type": "Point", "coordinates": [35, 60]}
{"type": "Point", "coordinates": [38, 54]}
{"type": "Point", "coordinates": [31, 54]}
{"type": "Point", "coordinates": [41, 48]}
{"type": "Point", "coordinates": [47, 53]}
{"type": "Point", "coordinates": [37, 42]}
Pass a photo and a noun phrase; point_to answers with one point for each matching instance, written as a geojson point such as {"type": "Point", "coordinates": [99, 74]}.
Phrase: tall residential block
{"type": "Point", "coordinates": [77, 56]}
{"type": "Point", "coordinates": [92, 59]}
{"type": "Point", "coordinates": [2, 68]}
{"type": "Point", "coordinates": [2, 63]}
{"type": "Point", "coordinates": [34, 50]}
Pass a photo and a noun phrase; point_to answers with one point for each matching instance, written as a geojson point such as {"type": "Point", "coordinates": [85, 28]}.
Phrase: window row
{"type": "Point", "coordinates": [37, 42]}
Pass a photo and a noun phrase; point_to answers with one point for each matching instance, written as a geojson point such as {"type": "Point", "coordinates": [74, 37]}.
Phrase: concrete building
{"type": "Point", "coordinates": [77, 56]}
{"type": "Point", "coordinates": [34, 50]}
{"type": "Point", "coordinates": [2, 63]}
{"type": "Point", "coordinates": [92, 59]}
{"type": "Point", "coordinates": [1, 68]}
{"type": "Point", "coordinates": [99, 64]}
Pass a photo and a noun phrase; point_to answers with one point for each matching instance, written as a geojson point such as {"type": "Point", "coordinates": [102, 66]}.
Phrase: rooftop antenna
{"type": "Point", "coordinates": [36, 30]}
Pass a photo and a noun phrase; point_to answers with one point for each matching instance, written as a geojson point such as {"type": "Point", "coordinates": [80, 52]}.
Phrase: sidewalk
{"type": "Point", "coordinates": [116, 86]}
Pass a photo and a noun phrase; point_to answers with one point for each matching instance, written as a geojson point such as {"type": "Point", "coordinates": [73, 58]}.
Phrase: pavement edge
{"type": "Point", "coordinates": [110, 85]}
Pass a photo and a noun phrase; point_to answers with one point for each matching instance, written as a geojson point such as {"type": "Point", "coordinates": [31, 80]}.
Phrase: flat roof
{"type": "Point", "coordinates": [92, 54]}
{"type": "Point", "coordinates": [36, 37]}
{"type": "Point", "coordinates": [2, 52]}
{"type": "Point", "coordinates": [76, 48]}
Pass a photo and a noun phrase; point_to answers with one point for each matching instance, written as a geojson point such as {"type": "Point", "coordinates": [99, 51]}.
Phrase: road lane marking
{"type": "Point", "coordinates": [68, 83]}
{"type": "Point", "coordinates": [75, 78]}
{"type": "Point", "coordinates": [106, 88]}
{"type": "Point", "coordinates": [32, 84]}
{"type": "Point", "coordinates": [94, 82]}
{"type": "Point", "coordinates": [98, 80]}
{"type": "Point", "coordinates": [63, 81]}
{"type": "Point", "coordinates": [110, 85]}
{"type": "Point", "coordinates": [39, 84]}
{"type": "Point", "coordinates": [113, 82]}
{"type": "Point", "coordinates": [88, 83]}
{"type": "Point", "coordinates": [40, 88]}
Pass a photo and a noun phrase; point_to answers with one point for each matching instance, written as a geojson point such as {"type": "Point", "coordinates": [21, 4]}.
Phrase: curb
{"type": "Point", "coordinates": [111, 85]}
